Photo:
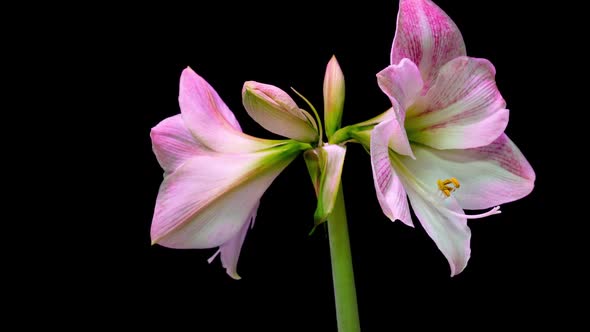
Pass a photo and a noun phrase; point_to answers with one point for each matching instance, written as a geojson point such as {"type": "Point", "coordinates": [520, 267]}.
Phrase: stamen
{"type": "Point", "coordinates": [445, 187]}
{"type": "Point", "coordinates": [214, 255]}
{"type": "Point", "coordinates": [495, 210]}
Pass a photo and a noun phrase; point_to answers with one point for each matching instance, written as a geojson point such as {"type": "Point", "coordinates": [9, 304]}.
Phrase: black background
{"type": "Point", "coordinates": [401, 276]}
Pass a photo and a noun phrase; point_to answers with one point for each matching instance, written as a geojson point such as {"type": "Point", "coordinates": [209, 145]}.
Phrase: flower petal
{"type": "Point", "coordinates": [230, 251]}
{"type": "Point", "coordinates": [426, 35]}
{"type": "Point", "coordinates": [173, 143]}
{"type": "Point", "coordinates": [450, 233]}
{"type": "Point", "coordinates": [277, 112]}
{"type": "Point", "coordinates": [390, 191]}
{"type": "Point", "coordinates": [330, 162]}
{"type": "Point", "coordinates": [489, 176]}
{"type": "Point", "coordinates": [462, 109]}
{"type": "Point", "coordinates": [334, 91]}
{"type": "Point", "coordinates": [402, 84]}
{"type": "Point", "coordinates": [207, 200]}
{"type": "Point", "coordinates": [209, 119]}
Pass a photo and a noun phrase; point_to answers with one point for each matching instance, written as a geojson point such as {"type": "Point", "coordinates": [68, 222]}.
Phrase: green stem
{"type": "Point", "coordinates": [342, 274]}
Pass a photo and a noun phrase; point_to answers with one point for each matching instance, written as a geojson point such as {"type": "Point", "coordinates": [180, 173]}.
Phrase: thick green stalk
{"type": "Point", "coordinates": [342, 274]}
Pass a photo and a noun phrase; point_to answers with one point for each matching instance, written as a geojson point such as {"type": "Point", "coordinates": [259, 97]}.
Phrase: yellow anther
{"type": "Point", "coordinates": [447, 186]}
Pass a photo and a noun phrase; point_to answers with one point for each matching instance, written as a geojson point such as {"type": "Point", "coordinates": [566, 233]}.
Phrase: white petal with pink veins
{"type": "Point", "coordinates": [462, 109]}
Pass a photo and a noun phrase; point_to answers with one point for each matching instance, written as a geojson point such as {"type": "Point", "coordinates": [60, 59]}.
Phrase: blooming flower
{"type": "Point", "coordinates": [442, 143]}
{"type": "Point", "coordinates": [214, 174]}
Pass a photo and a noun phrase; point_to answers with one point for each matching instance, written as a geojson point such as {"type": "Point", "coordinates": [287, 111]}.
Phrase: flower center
{"type": "Point", "coordinates": [426, 192]}
{"type": "Point", "coordinates": [447, 186]}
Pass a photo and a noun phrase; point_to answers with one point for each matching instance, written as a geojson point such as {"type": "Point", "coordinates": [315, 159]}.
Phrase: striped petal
{"type": "Point", "coordinates": [450, 232]}
{"type": "Point", "coordinates": [210, 120]}
{"type": "Point", "coordinates": [173, 143]}
{"type": "Point", "coordinates": [390, 191]}
{"type": "Point", "coordinates": [402, 84]}
{"type": "Point", "coordinates": [489, 176]}
{"type": "Point", "coordinates": [426, 35]}
{"type": "Point", "coordinates": [462, 109]}
{"type": "Point", "coordinates": [207, 200]}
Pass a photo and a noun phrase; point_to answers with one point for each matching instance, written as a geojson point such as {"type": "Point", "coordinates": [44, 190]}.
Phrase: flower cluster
{"type": "Point", "coordinates": [441, 145]}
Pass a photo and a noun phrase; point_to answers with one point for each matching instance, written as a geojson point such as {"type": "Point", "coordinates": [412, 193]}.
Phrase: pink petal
{"type": "Point", "coordinates": [334, 92]}
{"type": "Point", "coordinates": [230, 251]}
{"type": "Point", "coordinates": [450, 233]}
{"type": "Point", "coordinates": [207, 200]}
{"type": "Point", "coordinates": [277, 112]}
{"type": "Point", "coordinates": [489, 176]}
{"type": "Point", "coordinates": [462, 109]}
{"type": "Point", "coordinates": [209, 119]}
{"type": "Point", "coordinates": [389, 188]}
{"type": "Point", "coordinates": [331, 162]}
{"type": "Point", "coordinates": [173, 143]}
{"type": "Point", "coordinates": [426, 35]}
{"type": "Point", "coordinates": [402, 84]}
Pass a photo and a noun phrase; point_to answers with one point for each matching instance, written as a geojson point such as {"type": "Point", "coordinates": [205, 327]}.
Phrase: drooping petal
{"type": "Point", "coordinates": [326, 163]}
{"type": "Point", "coordinates": [207, 200]}
{"type": "Point", "coordinates": [402, 83]}
{"type": "Point", "coordinates": [230, 251]}
{"type": "Point", "coordinates": [277, 112]}
{"type": "Point", "coordinates": [426, 35]}
{"type": "Point", "coordinates": [450, 233]}
{"type": "Point", "coordinates": [173, 143]}
{"type": "Point", "coordinates": [462, 109]}
{"type": "Point", "coordinates": [334, 90]}
{"type": "Point", "coordinates": [390, 190]}
{"type": "Point", "coordinates": [489, 176]}
{"type": "Point", "coordinates": [209, 119]}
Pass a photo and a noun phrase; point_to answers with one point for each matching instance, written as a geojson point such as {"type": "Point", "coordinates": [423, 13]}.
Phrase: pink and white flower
{"type": "Point", "coordinates": [215, 174]}
{"type": "Point", "coordinates": [442, 144]}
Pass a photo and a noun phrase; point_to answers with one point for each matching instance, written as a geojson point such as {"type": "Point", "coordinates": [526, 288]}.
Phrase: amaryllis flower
{"type": "Point", "coordinates": [214, 174]}
{"type": "Point", "coordinates": [443, 143]}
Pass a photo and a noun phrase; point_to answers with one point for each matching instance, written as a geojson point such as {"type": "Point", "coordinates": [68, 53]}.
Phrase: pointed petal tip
{"type": "Point", "coordinates": [187, 71]}
{"type": "Point", "coordinates": [458, 267]}
{"type": "Point", "coordinates": [407, 222]}
{"type": "Point", "coordinates": [319, 219]}
{"type": "Point", "coordinates": [234, 275]}
{"type": "Point", "coordinates": [248, 85]}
